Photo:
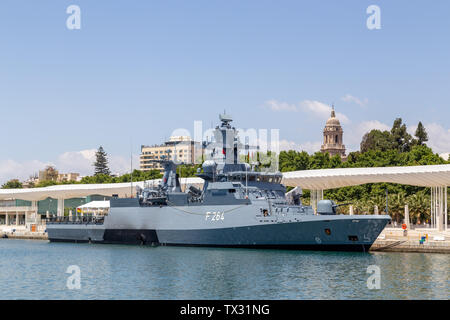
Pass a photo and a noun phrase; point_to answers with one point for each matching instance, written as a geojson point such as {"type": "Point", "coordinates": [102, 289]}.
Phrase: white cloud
{"type": "Point", "coordinates": [438, 137]}
{"type": "Point", "coordinates": [353, 133]}
{"type": "Point", "coordinates": [316, 108]}
{"type": "Point", "coordinates": [10, 169]}
{"type": "Point", "coordinates": [321, 110]}
{"type": "Point", "coordinates": [76, 161]}
{"type": "Point", "coordinates": [350, 98]}
{"type": "Point", "coordinates": [82, 162]}
{"type": "Point", "coordinates": [72, 161]}
{"type": "Point", "coordinates": [445, 156]}
{"type": "Point", "coordinates": [373, 124]}
{"type": "Point", "coordinates": [275, 105]}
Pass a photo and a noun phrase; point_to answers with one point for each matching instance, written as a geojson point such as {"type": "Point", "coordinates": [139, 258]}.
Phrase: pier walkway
{"type": "Point", "coordinates": [394, 240]}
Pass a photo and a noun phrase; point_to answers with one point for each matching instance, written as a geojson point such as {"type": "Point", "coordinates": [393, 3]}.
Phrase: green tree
{"type": "Point", "coordinates": [421, 134]}
{"type": "Point", "coordinates": [101, 163]}
{"type": "Point", "coordinates": [138, 175]}
{"type": "Point", "coordinates": [46, 183]}
{"type": "Point", "coordinates": [400, 136]}
{"type": "Point", "coordinates": [377, 140]}
{"type": "Point", "coordinates": [187, 170]}
{"type": "Point", "coordinates": [397, 139]}
{"type": "Point", "coordinates": [419, 207]}
{"type": "Point", "coordinates": [292, 161]}
{"type": "Point", "coordinates": [320, 160]}
{"type": "Point", "coordinates": [97, 178]}
{"type": "Point", "coordinates": [397, 206]}
{"type": "Point", "coordinates": [12, 184]}
{"type": "Point", "coordinates": [421, 155]}
{"type": "Point", "coordinates": [336, 161]}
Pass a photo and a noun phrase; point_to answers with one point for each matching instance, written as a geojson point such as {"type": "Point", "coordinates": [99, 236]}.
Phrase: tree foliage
{"type": "Point", "coordinates": [46, 183]}
{"type": "Point", "coordinates": [187, 170]}
{"type": "Point", "coordinates": [365, 197]}
{"type": "Point", "coordinates": [421, 134]}
{"type": "Point", "coordinates": [401, 138]}
{"type": "Point", "coordinates": [138, 175]}
{"type": "Point", "coordinates": [377, 140]}
{"type": "Point", "coordinates": [12, 184]}
{"type": "Point", "coordinates": [101, 163]}
{"type": "Point", "coordinates": [397, 138]}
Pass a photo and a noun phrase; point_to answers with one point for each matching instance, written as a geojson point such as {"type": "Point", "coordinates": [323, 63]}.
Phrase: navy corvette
{"type": "Point", "coordinates": [238, 206]}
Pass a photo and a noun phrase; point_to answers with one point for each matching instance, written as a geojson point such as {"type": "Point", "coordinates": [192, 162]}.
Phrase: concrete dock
{"type": "Point", "coordinates": [396, 240]}
{"type": "Point", "coordinates": [21, 232]}
{"type": "Point", "coordinates": [24, 235]}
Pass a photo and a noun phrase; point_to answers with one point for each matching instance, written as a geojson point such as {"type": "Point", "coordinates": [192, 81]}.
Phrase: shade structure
{"type": "Point", "coordinates": [68, 191]}
{"type": "Point", "coordinates": [95, 204]}
{"type": "Point", "coordinates": [423, 176]}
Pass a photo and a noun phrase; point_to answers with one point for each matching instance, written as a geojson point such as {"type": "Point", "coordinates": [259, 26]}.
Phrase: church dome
{"type": "Point", "coordinates": [333, 121]}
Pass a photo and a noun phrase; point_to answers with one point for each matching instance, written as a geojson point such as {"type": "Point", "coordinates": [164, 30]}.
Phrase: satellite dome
{"type": "Point", "coordinates": [209, 166]}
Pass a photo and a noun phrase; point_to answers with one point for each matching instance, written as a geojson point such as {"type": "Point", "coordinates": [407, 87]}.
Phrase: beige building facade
{"type": "Point", "coordinates": [68, 177]}
{"type": "Point", "coordinates": [179, 148]}
{"type": "Point", "coordinates": [53, 176]}
{"type": "Point", "coordinates": [18, 217]}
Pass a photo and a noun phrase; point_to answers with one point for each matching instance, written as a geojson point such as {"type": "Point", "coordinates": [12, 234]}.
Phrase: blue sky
{"type": "Point", "coordinates": [137, 70]}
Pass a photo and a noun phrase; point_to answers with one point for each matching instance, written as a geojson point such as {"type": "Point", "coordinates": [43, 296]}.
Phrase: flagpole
{"type": "Point", "coordinates": [131, 168]}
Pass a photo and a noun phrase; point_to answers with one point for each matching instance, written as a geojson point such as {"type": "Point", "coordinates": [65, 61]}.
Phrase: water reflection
{"type": "Point", "coordinates": [36, 270]}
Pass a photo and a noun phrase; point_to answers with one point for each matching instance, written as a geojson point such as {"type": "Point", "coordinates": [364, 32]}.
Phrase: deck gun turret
{"type": "Point", "coordinates": [328, 207]}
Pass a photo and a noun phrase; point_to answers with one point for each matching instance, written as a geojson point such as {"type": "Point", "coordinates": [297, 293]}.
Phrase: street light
{"type": "Point", "coordinates": [387, 207]}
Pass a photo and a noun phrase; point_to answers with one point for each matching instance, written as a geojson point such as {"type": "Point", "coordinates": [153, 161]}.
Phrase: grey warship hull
{"type": "Point", "coordinates": [237, 207]}
{"type": "Point", "coordinates": [234, 226]}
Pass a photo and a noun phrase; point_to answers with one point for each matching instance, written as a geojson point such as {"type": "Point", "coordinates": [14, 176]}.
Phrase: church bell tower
{"type": "Point", "coordinates": [333, 137]}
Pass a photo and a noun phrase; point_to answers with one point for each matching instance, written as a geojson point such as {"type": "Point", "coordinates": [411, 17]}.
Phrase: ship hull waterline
{"type": "Point", "coordinates": [325, 235]}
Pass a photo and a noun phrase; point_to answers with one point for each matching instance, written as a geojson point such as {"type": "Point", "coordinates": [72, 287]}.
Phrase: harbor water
{"type": "Point", "coordinates": [38, 270]}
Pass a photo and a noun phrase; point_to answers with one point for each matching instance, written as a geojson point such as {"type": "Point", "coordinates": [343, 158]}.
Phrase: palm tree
{"type": "Point", "coordinates": [419, 207]}
{"type": "Point", "coordinates": [379, 201]}
{"type": "Point", "coordinates": [397, 206]}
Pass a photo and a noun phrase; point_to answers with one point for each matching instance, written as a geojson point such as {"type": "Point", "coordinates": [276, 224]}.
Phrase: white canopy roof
{"type": "Point", "coordinates": [67, 191]}
{"type": "Point", "coordinates": [424, 176]}
{"type": "Point", "coordinates": [95, 205]}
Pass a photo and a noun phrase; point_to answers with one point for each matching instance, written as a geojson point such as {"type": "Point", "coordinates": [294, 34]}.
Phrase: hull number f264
{"type": "Point", "coordinates": [214, 216]}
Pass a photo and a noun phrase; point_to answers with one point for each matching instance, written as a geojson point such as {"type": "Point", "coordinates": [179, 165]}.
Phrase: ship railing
{"type": "Point", "coordinates": [287, 208]}
{"type": "Point", "coordinates": [76, 220]}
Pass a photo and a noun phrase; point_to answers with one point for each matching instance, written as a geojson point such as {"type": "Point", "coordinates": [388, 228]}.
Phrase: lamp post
{"type": "Point", "coordinates": [387, 206]}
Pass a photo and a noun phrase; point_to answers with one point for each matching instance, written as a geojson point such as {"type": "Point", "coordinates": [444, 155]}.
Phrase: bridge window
{"type": "Point", "coordinates": [219, 192]}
